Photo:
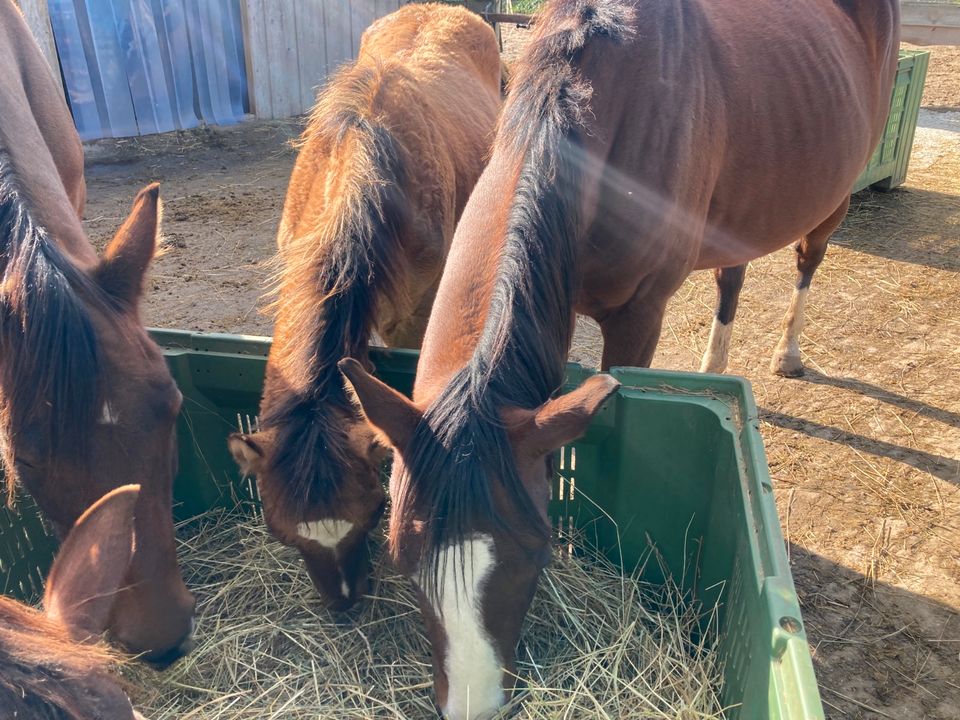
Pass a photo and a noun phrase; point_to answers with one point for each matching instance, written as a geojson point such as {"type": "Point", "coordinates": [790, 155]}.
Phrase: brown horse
{"type": "Point", "coordinates": [393, 148]}
{"type": "Point", "coordinates": [51, 666]}
{"type": "Point", "coordinates": [85, 397]}
{"type": "Point", "coordinates": [638, 142]}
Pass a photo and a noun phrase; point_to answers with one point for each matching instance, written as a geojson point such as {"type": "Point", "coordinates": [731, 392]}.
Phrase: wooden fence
{"type": "Point", "coordinates": [930, 23]}
{"type": "Point", "coordinates": [293, 45]}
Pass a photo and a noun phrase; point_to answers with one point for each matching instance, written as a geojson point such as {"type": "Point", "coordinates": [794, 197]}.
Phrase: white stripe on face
{"type": "Point", "coordinates": [471, 663]}
{"type": "Point", "coordinates": [328, 532]}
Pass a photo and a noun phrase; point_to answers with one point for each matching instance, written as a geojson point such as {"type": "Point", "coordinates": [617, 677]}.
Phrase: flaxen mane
{"type": "Point", "coordinates": [521, 354]}
{"type": "Point", "coordinates": [48, 350]}
{"type": "Point", "coordinates": [332, 282]}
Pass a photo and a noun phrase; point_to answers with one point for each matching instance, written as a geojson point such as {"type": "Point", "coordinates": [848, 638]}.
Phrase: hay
{"type": "Point", "coordinates": [596, 644]}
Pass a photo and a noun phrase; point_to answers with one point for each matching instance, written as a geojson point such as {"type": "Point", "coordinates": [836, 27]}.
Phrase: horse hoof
{"type": "Point", "coordinates": [789, 366]}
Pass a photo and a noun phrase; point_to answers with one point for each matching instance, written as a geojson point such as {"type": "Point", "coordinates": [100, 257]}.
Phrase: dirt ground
{"type": "Point", "coordinates": [863, 450]}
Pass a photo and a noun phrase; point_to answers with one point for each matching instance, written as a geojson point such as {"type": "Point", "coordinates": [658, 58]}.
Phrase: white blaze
{"type": "Point", "coordinates": [471, 663]}
{"type": "Point", "coordinates": [328, 532]}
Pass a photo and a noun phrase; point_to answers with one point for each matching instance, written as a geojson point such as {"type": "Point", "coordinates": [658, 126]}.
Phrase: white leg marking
{"type": "Point", "coordinates": [718, 347]}
{"type": "Point", "coordinates": [471, 662]}
{"type": "Point", "coordinates": [107, 415]}
{"type": "Point", "coordinates": [327, 532]}
{"type": "Point", "coordinates": [345, 589]}
{"type": "Point", "coordinates": [786, 358]}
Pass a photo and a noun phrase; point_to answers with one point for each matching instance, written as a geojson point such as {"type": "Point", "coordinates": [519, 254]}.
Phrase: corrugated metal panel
{"type": "Point", "coordinates": [134, 67]}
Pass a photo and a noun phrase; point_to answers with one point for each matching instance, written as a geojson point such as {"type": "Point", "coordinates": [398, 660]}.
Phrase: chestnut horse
{"type": "Point", "coordinates": [51, 667]}
{"type": "Point", "coordinates": [85, 396]}
{"type": "Point", "coordinates": [394, 146]}
{"type": "Point", "coordinates": [639, 141]}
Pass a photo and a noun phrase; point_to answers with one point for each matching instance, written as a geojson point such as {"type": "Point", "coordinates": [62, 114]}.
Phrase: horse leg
{"type": "Point", "coordinates": [729, 282]}
{"type": "Point", "coordinates": [810, 251]}
{"type": "Point", "coordinates": [630, 333]}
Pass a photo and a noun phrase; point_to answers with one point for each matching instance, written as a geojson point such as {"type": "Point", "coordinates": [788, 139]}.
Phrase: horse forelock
{"type": "Point", "coordinates": [461, 446]}
{"type": "Point", "coordinates": [334, 278]}
{"type": "Point", "coordinates": [49, 354]}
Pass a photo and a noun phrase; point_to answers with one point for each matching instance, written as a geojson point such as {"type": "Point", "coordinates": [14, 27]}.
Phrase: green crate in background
{"type": "Point", "coordinates": [887, 168]}
{"type": "Point", "coordinates": [674, 458]}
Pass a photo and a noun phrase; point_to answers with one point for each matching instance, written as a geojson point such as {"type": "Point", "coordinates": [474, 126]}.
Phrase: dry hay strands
{"type": "Point", "coordinates": [597, 644]}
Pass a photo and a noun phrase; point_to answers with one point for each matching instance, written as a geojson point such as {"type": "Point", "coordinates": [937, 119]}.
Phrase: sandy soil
{"type": "Point", "coordinates": [942, 90]}
{"type": "Point", "coordinates": [864, 449]}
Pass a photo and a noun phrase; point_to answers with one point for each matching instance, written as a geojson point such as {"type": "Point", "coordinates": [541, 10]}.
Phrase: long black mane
{"type": "Point", "coordinates": [49, 356]}
{"type": "Point", "coordinates": [461, 445]}
{"type": "Point", "coordinates": [331, 288]}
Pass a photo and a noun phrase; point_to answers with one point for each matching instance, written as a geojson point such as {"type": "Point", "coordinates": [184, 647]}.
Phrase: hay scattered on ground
{"type": "Point", "coordinates": [596, 644]}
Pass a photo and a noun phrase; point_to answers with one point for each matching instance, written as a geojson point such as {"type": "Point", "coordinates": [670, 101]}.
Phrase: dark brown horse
{"type": "Point", "coordinates": [86, 400]}
{"type": "Point", "coordinates": [639, 141]}
{"type": "Point", "coordinates": [51, 665]}
{"type": "Point", "coordinates": [393, 148]}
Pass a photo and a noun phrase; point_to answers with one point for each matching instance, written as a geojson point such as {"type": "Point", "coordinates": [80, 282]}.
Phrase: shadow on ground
{"type": "Point", "coordinates": [908, 225]}
{"type": "Point", "coordinates": [903, 647]}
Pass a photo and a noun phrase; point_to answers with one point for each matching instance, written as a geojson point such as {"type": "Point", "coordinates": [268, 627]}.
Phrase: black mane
{"type": "Point", "coordinates": [334, 293]}
{"type": "Point", "coordinates": [461, 445]}
{"type": "Point", "coordinates": [49, 356]}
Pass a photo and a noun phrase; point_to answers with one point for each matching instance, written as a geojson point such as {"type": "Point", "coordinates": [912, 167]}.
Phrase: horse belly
{"type": "Point", "coordinates": [790, 164]}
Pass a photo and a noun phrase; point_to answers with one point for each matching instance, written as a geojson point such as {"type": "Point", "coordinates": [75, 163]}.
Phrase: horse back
{"type": "Point", "coordinates": [745, 128]}
{"type": "Point", "coordinates": [429, 77]}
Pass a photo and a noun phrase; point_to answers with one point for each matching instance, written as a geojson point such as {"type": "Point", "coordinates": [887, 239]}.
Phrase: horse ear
{"type": "Point", "coordinates": [564, 419]}
{"type": "Point", "coordinates": [389, 412]}
{"type": "Point", "coordinates": [92, 563]}
{"type": "Point", "coordinates": [249, 451]}
{"type": "Point", "coordinates": [123, 268]}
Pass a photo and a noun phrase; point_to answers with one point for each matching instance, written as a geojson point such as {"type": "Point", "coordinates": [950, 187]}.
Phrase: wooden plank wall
{"type": "Point", "coordinates": [930, 23]}
{"type": "Point", "coordinates": [293, 45]}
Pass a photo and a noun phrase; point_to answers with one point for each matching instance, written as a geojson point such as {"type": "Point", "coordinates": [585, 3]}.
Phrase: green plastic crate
{"type": "Point", "coordinates": [673, 457]}
{"type": "Point", "coordinates": [887, 168]}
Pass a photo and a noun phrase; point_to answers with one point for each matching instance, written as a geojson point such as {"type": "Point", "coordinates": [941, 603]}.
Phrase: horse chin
{"type": "Point", "coordinates": [340, 575]}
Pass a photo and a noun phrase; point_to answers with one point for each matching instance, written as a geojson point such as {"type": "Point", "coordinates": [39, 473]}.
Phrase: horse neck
{"type": "Point", "coordinates": [463, 296]}
{"type": "Point", "coordinates": [506, 287]}
{"type": "Point", "coordinates": [43, 146]}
